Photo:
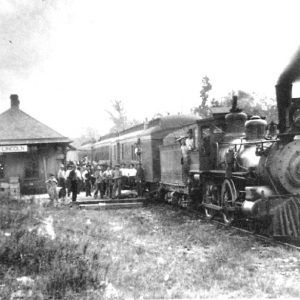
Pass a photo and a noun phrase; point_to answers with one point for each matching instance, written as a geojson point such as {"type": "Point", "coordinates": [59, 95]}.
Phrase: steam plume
{"type": "Point", "coordinates": [292, 71]}
{"type": "Point", "coordinates": [24, 31]}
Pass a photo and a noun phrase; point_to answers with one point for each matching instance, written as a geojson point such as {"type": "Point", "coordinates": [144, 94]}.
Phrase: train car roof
{"type": "Point", "coordinates": [150, 127]}
{"type": "Point", "coordinates": [176, 121]}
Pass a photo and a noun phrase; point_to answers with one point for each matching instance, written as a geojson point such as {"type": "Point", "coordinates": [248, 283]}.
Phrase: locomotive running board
{"type": "Point", "coordinates": [111, 203]}
{"type": "Point", "coordinates": [102, 206]}
{"type": "Point", "coordinates": [110, 200]}
{"type": "Point", "coordinates": [212, 206]}
{"type": "Point", "coordinates": [219, 208]}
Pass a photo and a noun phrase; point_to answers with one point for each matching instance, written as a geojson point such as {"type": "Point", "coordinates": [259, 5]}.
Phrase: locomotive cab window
{"type": "Point", "coordinates": [196, 138]}
{"type": "Point", "coordinates": [192, 139]}
{"type": "Point", "coordinates": [205, 140]}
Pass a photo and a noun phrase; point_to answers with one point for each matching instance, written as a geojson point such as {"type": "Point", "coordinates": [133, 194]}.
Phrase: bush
{"type": "Point", "coordinates": [14, 213]}
{"type": "Point", "coordinates": [60, 264]}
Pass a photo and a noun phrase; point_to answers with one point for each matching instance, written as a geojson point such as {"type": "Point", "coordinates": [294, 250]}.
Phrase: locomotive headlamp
{"type": "Point", "coordinates": [197, 176]}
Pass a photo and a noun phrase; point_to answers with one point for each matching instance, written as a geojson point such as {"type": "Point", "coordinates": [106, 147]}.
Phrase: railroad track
{"type": "Point", "coordinates": [261, 237]}
{"type": "Point", "coordinates": [256, 235]}
{"type": "Point", "coordinates": [138, 202]}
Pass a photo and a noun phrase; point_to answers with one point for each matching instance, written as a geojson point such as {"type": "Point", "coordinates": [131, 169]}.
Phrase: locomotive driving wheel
{"type": "Point", "coordinates": [228, 197]}
{"type": "Point", "coordinates": [210, 196]}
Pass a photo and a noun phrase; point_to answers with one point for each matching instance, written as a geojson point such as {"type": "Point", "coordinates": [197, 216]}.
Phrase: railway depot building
{"type": "Point", "coordinates": [29, 152]}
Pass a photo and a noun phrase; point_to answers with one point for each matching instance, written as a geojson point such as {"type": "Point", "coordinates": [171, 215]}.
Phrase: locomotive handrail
{"type": "Point", "coordinates": [288, 133]}
{"type": "Point", "coordinates": [249, 143]}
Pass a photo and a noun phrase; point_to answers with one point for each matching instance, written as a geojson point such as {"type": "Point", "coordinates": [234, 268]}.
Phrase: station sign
{"type": "Point", "coordinates": [14, 148]}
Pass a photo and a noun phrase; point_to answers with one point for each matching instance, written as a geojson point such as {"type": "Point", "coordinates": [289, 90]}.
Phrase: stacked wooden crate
{"type": "Point", "coordinates": [4, 190]}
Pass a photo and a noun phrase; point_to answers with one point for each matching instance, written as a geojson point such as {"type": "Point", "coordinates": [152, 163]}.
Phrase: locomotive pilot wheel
{"type": "Point", "coordinates": [211, 195]}
{"type": "Point", "coordinates": [228, 197]}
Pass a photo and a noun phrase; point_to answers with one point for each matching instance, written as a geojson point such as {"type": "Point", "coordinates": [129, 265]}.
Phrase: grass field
{"type": "Point", "coordinates": [152, 252]}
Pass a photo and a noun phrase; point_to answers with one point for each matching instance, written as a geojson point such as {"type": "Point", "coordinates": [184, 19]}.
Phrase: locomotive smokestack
{"type": "Point", "coordinates": [284, 90]}
{"type": "Point", "coordinates": [284, 97]}
{"type": "Point", "coordinates": [291, 72]}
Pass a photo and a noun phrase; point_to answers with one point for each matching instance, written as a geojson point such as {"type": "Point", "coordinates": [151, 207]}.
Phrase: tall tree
{"type": "Point", "coordinates": [203, 109]}
{"type": "Point", "coordinates": [119, 117]}
{"type": "Point", "coordinates": [90, 135]}
{"type": "Point", "coordinates": [253, 104]}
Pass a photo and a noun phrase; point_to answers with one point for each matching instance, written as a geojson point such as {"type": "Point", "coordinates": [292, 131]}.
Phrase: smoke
{"type": "Point", "coordinates": [24, 31]}
{"type": "Point", "coordinates": [292, 71]}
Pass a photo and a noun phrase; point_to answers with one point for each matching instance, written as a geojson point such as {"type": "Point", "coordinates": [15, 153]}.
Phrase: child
{"type": "Point", "coordinates": [52, 188]}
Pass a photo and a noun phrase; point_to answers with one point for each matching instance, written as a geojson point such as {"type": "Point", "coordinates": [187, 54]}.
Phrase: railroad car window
{"type": "Point", "coordinates": [122, 151]}
{"type": "Point", "coordinates": [110, 153]}
{"type": "Point", "coordinates": [115, 152]}
{"type": "Point", "coordinates": [196, 138]}
{"type": "Point", "coordinates": [102, 153]}
{"type": "Point", "coordinates": [133, 155]}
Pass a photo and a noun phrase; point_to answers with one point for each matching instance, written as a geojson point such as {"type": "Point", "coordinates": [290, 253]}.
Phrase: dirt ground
{"type": "Point", "coordinates": [159, 251]}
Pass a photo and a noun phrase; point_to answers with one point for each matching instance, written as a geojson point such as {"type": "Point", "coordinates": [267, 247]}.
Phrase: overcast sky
{"type": "Point", "coordinates": [67, 59]}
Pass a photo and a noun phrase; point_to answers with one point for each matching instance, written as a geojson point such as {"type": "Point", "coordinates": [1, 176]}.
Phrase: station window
{"type": "Point", "coordinates": [32, 167]}
{"type": "Point", "coordinates": [2, 167]}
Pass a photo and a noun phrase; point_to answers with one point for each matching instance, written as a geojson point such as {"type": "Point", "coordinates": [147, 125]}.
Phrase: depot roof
{"type": "Point", "coordinates": [17, 127]}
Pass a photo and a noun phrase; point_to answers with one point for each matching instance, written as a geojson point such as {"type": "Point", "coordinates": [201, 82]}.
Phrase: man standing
{"type": "Point", "coordinates": [131, 175]}
{"type": "Point", "coordinates": [61, 175]}
{"type": "Point", "coordinates": [79, 179]}
{"type": "Point", "coordinates": [185, 160]}
{"type": "Point", "coordinates": [190, 140]}
{"type": "Point", "coordinates": [108, 173]}
{"type": "Point", "coordinates": [117, 179]}
{"type": "Point", "coordinates": [74, 183]}
{"type": "Point", "coordinates": [87, 180]}
{"type": "Point", "coordinates": [139, 179]}
{"type": "Point", "coordinates": [99, 175]}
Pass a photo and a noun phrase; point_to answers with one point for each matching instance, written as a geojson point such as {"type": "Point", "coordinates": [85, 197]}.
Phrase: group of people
{"type": "Point", "coordinates": [95, 179]}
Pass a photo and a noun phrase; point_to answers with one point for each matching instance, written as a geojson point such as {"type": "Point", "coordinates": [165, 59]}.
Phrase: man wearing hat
{"type": "Point", "coordinates": [74, 182]}
{"type": "Point", "coordinates": [86, 175]}
{"type": "Point", "coordinates": [185, 159]}
{"type": "Point", "coordinates": [139, 179]}
{"type": "Point", "coordinates": [108, 174]}
{"type": "Point", "coordinates": [189, 141]}
{"type": "Point", "coordinates": [61, 175]}
{"type": "Point", "coordinates": [99, 176]}
{"type": "Point", "coordinates": [117, 180]}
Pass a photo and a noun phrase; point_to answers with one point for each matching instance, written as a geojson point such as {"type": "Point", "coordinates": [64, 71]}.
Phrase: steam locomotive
{"type": "Point", "coordinates": [239, 167]}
